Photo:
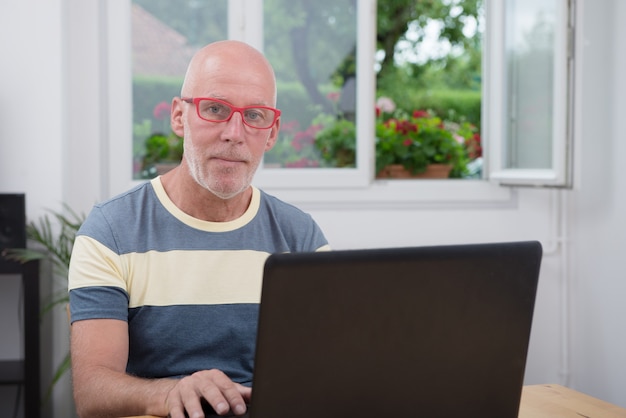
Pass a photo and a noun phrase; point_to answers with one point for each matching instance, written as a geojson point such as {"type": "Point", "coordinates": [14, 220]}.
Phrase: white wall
{"type": "Point", "coordinates": [54, 155]}
{"type": "Point", "coordinates": [32, 129]}
{"type": "Point", "coordinates": [598, 229]}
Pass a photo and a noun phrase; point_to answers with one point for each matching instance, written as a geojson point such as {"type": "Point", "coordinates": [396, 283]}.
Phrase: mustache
{"type": "Point", "coordinates": [231, 154]}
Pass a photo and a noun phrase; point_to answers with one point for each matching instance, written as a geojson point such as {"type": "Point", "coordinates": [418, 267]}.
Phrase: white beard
{"type": "Point", "coordinates": [224, 188]}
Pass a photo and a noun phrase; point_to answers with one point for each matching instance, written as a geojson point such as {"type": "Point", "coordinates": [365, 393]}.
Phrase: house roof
{"type": "Point", "coordinates": [157, 48]}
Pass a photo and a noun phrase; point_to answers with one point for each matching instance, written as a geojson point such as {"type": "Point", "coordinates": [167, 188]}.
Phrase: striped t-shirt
{"type": "Point", "coordinates": [188, 288]}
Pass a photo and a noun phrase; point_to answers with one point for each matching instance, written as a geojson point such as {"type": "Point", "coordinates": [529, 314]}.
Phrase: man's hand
{"type": "Point", "coordinates": [224, 395]}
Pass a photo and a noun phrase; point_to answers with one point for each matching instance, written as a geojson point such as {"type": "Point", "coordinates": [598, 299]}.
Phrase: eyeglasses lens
{"type": "Point", "coordinates": [216, 111]}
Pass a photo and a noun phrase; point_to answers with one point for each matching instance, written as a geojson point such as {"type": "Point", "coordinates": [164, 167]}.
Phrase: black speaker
{"type": "Point", "coordinates": [12, 223]}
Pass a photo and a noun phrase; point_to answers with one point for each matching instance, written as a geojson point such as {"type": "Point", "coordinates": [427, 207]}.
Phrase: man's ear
{"type": "Point", "coordinates": [271, 141]}
{"type": "Point", "coordinates": [176, 117]}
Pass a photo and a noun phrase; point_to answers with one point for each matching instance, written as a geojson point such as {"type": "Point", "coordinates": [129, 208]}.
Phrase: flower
{"type": "Point", "coordinates": [420, 114]}
{"type": "Point", "coordinates": [162, 111]}
{"type": "Point", "coordinates": [417, 140]}
{"type": "Point", "coordinates": [294, 148]}
{"type": "Point", "coordinates": [333, 96]}
{"type": "Point", "coordinates": [385, 104]}
{"type": "Point", "coordinates": [474, 147]}
{"type": "Point", "coordinates": [336, 140]}
{"type": "Point", "coordinates": [303, 139]}
{"type": "Point", "coordinates": [413, 139]}
{"type": "Point", "coordinates": [303, 162]}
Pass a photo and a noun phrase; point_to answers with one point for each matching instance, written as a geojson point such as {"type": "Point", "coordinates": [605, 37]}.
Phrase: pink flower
{"type": "Point", "coordinates": [306, 138]}
{"type": "Point", "coordinates": [407, 142]}
{"type": "Point", "coordinates": [162, 110]}
{"type": "Point", "coordinates": [290, 127]}
{"type": "Point", "coordinates": [333, 96]}
{"type": "Point", "coordinates": [302, 163]}
{"type": "Point", "coordinates": [385, 104]}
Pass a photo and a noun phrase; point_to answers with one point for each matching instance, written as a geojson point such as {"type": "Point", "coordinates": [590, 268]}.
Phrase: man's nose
{"type": "Point", "coordinates": [234, 126]}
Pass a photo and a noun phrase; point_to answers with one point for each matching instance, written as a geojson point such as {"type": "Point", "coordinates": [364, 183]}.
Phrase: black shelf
{"type": "Point", "coordinates": [11, 372]}
{"type": "Point", "coordinates": [26, 372]}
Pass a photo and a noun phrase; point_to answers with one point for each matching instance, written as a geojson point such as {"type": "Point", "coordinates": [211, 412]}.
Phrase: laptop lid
{"type": "Point", "coordinates": [438, 331]}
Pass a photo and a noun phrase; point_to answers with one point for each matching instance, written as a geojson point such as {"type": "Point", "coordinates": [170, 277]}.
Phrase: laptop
{"type": "Point", "coordinates": [439, 331]}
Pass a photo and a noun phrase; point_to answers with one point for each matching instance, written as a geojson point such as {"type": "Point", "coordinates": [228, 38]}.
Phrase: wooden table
{"type": "Point", "coordinates": [556, 401]}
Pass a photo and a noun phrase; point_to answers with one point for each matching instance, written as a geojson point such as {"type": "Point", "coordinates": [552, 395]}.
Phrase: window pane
{"type": "Point", "coordinates": [312, 46]}
{"type": "Point", "coordinates": [429, 81]}
{"type": "Point", "coordinates": [165, 35]}
{"type": "Point", "coordinates": [530, 32]}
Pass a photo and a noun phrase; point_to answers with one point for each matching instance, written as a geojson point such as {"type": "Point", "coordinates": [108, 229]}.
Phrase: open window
{"type": "Point", "coordinates": [323, 54]}
{"type": "Point", "coordinates": [529, 64]}
{"type": "Point", "coordinates": [526, 93]}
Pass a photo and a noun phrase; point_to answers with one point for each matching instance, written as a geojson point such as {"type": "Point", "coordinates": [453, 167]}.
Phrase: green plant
{"type": "Point", "coordinates": [160, 148]}
{"type": "Point", "coordinates": [154, 142]}
{"type": "Point", "coordinates": [413, 140]}
{"type": "Point", "coordinates": [419, 139]}
{"type": "Point", "coordinates": [294, 148]}
{"type": "Point", "coordinates": [55, 244]}
{"type": "Point", "coordinates": [336, 141]}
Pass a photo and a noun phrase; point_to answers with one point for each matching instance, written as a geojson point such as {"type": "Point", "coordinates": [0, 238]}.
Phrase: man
{"type": "Point", "coordinates": [165, 278]}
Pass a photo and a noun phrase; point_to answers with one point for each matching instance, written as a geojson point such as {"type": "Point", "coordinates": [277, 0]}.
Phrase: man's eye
{"type": "Point", "coordinates": [216, 109]}
{"type": "Point", "coordinates": [254, 115]}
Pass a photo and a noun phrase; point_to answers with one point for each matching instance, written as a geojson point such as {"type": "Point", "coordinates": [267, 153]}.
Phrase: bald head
{"type": "Point", "coordinates": [230, 62]}
{"type": "Point", "coordinates": [223, 157]}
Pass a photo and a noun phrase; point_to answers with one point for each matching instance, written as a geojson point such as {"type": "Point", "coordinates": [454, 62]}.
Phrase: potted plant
{"type": "Point", "coordinates": [294, 147]}
{"type": "Point", "coordinates": [408, 145]}
{"type": "Point", "coordinates": [336, 141]}
{"type": "Point", "coordinates": [163, 152]}
{"type": "Point", "coordinates": [419, 144]}
{"type": "Point", "coordinates": [54, 243]}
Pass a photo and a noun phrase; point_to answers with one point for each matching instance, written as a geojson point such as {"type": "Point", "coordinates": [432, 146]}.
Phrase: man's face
{"type": "Point", "coordinates": [223, 156]}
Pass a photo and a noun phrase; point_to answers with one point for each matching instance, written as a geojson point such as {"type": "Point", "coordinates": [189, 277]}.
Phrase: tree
{"type": "Point", "coordinates": [313, 27]}
{"type": "Point", "coordinates": [395, 16]}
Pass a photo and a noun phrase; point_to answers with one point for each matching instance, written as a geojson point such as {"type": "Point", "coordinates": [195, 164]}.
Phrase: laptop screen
{"type": "Point", "coordinates": [428, 331]}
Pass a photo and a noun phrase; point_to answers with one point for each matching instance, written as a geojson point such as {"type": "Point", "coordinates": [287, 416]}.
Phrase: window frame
{"type": "Point", "coordinates": [494, 106]}
{"type": "Point", "coordinates": [361, 175]}
{"type": "Point", "coordinates": [327, 188]}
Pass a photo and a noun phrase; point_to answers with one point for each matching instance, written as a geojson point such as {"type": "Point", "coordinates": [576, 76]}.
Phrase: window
{"type": "Point", "coordinates": [316, 47]}
{"type": "Point", "coordinates": [515, 155]}
{"type": "Point", "coordinates": [530, 64]}
{"type": "Point", "coordinates": [165, 35]}
{"type": "Point", "coordinates": [312, 46]}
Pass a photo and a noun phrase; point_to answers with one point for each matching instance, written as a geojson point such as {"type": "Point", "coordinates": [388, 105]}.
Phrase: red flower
{"type": "Point", "coordinates": [417, 114]}
{"type": "Point", "coordinates": [305, 138]}
{"type": "Point", "coordinates": [302, 163]}
{"type": "Point", "coordinates": [474, 149]}
{"type": "Point", "coordinates": [407, 142]}
{"type": "Point", "coordinates": [162, 110]}
{"type": "Point", "coordinates": [404, 127]}
{"type": "Point", "coordinates": [333, 96]}
{"type": "Point", "coordinates": [290, 127]}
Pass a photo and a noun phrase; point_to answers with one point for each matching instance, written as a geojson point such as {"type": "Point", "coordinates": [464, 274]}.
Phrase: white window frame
{"type": "Point", "coordinates": [331, 178]}
{"type": "Point", "coordinates": [116, 19]}
{"type": "Point", "coordinates": [561, 173]}
{"type": "Point", "coordinates": [327, 188]}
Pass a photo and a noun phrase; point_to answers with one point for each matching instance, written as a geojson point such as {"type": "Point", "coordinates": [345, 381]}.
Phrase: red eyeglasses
{"type": "Point", "coordinates": [215, 110]}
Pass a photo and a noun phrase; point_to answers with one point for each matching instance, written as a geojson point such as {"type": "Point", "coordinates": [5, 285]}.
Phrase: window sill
{"type": "Point", "coordinates": [402, 194]}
